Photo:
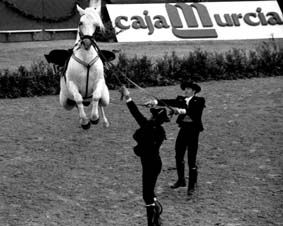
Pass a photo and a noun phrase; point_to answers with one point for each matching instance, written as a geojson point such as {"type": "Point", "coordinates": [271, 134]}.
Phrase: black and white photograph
{"type": "Point", "coordinates": [141, 113]}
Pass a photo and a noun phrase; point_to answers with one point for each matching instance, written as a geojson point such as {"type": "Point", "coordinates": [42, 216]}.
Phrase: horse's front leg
{"type": "Point", "coordinates": [63, 96]}
{"type": "Point", "coordinates": [94, 116]}
{"type": "Point", "coordinates": [84, 121]}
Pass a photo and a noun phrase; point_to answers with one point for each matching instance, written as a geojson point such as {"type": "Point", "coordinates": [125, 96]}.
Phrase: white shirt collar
{"type": "Point", "coordinates": [187, 99]}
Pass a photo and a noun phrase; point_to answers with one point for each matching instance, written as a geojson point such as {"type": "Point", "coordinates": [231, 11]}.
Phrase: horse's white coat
{"type": "Point", "coordinates": [74, 88]}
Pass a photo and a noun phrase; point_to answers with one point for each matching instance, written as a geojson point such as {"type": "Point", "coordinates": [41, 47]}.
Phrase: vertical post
{"type": "Point", "coordinates": [43, 16]}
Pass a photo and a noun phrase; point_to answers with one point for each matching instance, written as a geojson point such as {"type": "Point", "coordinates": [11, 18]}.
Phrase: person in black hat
{"type": "Point", "coordinates": [149, 138]}
{"type": "Point", "coordinates": [189, 109]}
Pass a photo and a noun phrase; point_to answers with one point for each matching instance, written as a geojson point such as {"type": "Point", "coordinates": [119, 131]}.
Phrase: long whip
{"type": "Point", "coordinates": [129, 80]}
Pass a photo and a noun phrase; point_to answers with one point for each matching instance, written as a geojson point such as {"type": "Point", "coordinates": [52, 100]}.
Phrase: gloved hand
{"type": "Point", "coordinates": [151, 103]}
{"type": "Point", "coordinates": [124, 92]}
{"type": "Point", "coordinates": [178, 111]}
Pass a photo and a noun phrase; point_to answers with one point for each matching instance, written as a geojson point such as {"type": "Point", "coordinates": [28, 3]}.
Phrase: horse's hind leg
{"type": "Point", "coordinates": [104, 101]}
{"type": "Point", "coordinates": [105, 98]}
{"type": "Point", "coordinates": [105, 120]}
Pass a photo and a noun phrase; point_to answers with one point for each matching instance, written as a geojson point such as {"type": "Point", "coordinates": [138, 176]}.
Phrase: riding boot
{"type": "Point", "coordinates": [193, 175]}
{"type": "Point", "coordinates": [181, 182]}
{"type": "Point", "coordinates": [150, 209]}
{"type": "Point", "coordinates": [158, 209]}
{"type": "Point", "coordinates": [158, 206]}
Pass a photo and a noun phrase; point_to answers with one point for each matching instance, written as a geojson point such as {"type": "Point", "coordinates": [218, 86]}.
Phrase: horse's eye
{"type": "Point", "coordinates": [81, 23]}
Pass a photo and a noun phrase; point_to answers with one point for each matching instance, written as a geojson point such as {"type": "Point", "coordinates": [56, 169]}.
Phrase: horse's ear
{"type": "Point", "coordinates": [96, 4]}
{"type": "Point", "coordinates": [98, 10]}
{"type": "Point", "coordinates": [80, 10]}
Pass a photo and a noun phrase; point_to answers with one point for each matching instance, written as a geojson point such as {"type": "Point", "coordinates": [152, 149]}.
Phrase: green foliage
{"type": "Point", "coordinates": [168, 69]}
{"type": "Point", "coordinates": [39, 80]}
{"type": "Point", "coordinates": [270, 59]}
{"type": "Point", "coordinates": [199, 65]}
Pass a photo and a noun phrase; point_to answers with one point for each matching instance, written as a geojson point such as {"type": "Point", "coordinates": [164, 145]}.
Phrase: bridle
{"type": "Point", "coordinates": [84, 37]}
{"type": "Point", "coordinates": [108, 65]}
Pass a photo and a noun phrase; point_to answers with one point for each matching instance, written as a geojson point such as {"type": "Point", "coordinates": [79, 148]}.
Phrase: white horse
{"type": "Point", "coordinates": [84, 81]}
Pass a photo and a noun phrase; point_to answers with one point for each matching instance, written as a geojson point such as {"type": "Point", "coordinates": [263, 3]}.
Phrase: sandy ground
{"type": "Point", "coordinates": [54, 173]}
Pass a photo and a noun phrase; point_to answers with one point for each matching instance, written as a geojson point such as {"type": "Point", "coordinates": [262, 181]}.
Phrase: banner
{"type": "Point", "coordinates": [196, 21]}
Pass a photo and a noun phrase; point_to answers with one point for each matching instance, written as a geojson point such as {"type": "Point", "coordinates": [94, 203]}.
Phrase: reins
{"type": "Point", "coordinates": [110, 64]}
{"type": "Point", "coordinates": [129, 80]}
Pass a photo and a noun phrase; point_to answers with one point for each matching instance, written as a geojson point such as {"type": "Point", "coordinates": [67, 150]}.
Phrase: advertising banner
{"type": "Point", "coordinates": [196, 21]}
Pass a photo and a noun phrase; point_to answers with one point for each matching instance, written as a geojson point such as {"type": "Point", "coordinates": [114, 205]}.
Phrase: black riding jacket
{"type": "Point", "coordinates": [149, 136]}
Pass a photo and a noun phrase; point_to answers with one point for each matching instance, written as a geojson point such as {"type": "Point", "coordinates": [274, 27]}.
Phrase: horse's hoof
{"type": "Point", "coordinates": [106, 124]}
{"type": "Point", "coordinates": [95, 122]}
{"type": "Point", "coordinates": [86, 126]}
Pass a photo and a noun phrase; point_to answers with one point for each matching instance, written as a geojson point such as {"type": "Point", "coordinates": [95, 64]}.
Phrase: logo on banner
{"type": "Point", "coordinates": [191, 28]}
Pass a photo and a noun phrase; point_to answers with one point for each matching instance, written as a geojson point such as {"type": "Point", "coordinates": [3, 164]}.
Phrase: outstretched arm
{"type": "Point", "coordinates": [141, 120]}
{"type": "Point", "coordinates": [176, 103]}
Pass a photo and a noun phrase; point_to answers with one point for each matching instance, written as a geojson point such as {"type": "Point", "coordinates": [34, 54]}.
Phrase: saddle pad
{"type": "Point", "coordinates": [106, 55]}
{"type": "Point", "coordinates": [59, 56]}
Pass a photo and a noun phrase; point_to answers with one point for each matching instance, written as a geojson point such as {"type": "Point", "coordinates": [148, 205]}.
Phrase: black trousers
{"type": "Point", "coordinates": [187, 139]}
{"type": "Point", "coordinates": [151, 169]}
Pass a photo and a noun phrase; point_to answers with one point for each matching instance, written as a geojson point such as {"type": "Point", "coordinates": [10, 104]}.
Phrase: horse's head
{"type": "Point", "coordinates": [89, 21]}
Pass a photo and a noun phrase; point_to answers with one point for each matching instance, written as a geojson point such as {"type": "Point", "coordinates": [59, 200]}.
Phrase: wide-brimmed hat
{"type": "Point", "coordinates": [160, 114]}
{"type": "Point", "coordinates": [191, 85]}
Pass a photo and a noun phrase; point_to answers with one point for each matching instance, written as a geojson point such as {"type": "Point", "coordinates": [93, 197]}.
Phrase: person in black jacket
{"type": "Point", "coordinates": [189, 109]}
{"type": "Point", "coordinates": [149, 138]}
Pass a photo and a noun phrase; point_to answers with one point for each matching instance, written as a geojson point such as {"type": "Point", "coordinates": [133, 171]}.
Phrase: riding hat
{"type": "Point", "coordinates": [191, 85]}
{"type": "Point", "coordinates": [160, 114]}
